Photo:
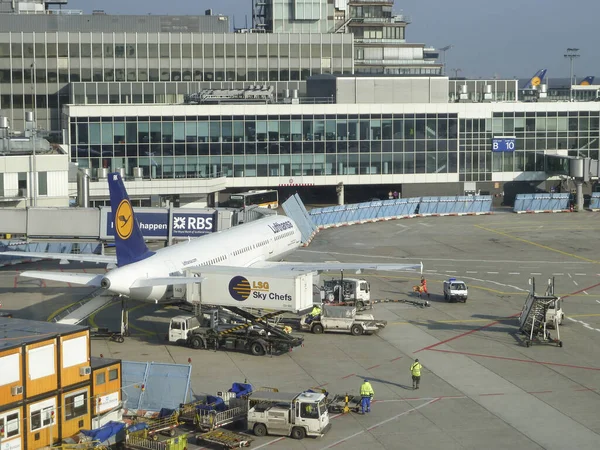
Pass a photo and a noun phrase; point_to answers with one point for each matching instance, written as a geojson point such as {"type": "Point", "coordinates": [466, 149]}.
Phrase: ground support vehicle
{"type": "Point", "coordinates": [539, 314]}
{"type": "Point", "coordinates": [342, 318]}
{"type": "Point", "coordinates": [455, 290]}
{"type": "Point", "coordinates": [165, 423]}
{"type": "Point", "coordinates": [225, 438]}
{"type": "Point", "coordinates": [347, 292]}
{"type": "Point", "coordinates": [289, 414]}
{"type": "Point", "coordinates": [232, 329]}
{"type": "Point", "coordinates": [141, 443]}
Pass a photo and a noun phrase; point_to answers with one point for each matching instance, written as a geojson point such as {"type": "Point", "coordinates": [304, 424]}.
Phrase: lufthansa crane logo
{"type": "Point", "coordinates": [124, 220]}
{"type": "Point", "coordinates": [239, 288]}
{"type": "Point", "coordinates": [585, 83]}
{"type": "Point", "coordinates": [535, 81]}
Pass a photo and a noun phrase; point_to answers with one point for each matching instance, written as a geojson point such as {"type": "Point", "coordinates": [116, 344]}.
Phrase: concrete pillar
{"type": "Point", "coordinates": [579, 194]}
{"type": "Point", "coordinates": [340, 193]}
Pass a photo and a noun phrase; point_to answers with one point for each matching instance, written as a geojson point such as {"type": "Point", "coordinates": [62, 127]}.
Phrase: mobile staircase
{"type": "Point", "coordinates": [534, 320]}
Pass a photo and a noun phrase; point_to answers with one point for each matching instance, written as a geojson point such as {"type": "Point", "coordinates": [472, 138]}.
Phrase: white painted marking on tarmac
{"type": "Point", "coordinates": [451, 271]}
{"type": "Point", "coordinates": [402, 225]}
{"type": "Point", "coordinates": [576, 283]}
{"type": "Point", "coordinates": [425, 224]}
{"type": "Point", "coordinates": [586, 293]}
{"type": "Point", "coordinates": [597, 301]}
{"type": "Point", "coordinates": [535, 273]}
{"type": "Point", "coordinates": [585, 325]}
{"type": "Point", "coordinates": [514, 273]}
{"type": "Point", "coordinates": [557, 274]}
{"type": "Point", "coordinates": [569, 275]}
{"type": "Point", "coordinates": [470, 271]}
{"type": "Point", "coordinates": [450, 259]}
{"type": "Point", "coordinates": [372, 427]}
{"type": "Point", "coordinates": [496, 273]}
{"type": "Point", "coordinates": [580, 274]}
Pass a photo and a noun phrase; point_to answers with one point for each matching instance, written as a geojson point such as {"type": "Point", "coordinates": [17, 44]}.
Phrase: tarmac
{"type": "Point", "coordinates": [481, 387]}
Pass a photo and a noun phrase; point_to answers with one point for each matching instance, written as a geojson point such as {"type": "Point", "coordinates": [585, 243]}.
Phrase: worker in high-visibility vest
{"type": "Point", "coordinates": [415, 370]}
{"type": "Point", "coordinates": [314, 314]}
{"type": "Point", "coordinates": [366, 394]}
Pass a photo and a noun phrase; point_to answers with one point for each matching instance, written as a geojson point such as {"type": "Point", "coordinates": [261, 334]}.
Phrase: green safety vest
{"type": "Point", "coordinates": [366, 390]}
{"type": "Point", "coordinates": [416, 369]}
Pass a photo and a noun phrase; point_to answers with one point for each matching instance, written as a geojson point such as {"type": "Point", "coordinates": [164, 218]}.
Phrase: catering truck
{"type": "Point", "coordinates": [346, 291]}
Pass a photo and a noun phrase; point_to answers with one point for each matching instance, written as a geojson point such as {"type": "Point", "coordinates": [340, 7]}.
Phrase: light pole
{"type": "Point", "coordinates": [456, 72]}
{"type": "Point", "coordinates": [572, 54]}
{"type": "Point", "coordinates": [444, 50]}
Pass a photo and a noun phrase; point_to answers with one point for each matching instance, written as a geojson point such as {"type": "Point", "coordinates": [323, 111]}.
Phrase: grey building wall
{"type": "Point", "coordinates": [36, 68]}
{"type": "Point", "coordinates": [40, 23]}
{"type": "Point", "coordinates": [348, 89]}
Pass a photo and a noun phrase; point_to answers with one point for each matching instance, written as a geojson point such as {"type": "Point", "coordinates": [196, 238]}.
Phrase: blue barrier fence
{"type": "Point", "coordinates": [394, 209]}
{"type": "Point", "coordinates": [541, 202]}
{"type": "Point", "coordinates": [595, 201]}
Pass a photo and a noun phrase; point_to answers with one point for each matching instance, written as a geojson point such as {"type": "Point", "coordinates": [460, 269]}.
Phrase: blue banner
{"type": "Point", "coordinates": [156, 224]}
{"type": "Point", "coordinates": [503, 145]}
{"type": "Point", "coordinates": [193, 224]}
{"type": "Point", "coordinates": [152, 224]}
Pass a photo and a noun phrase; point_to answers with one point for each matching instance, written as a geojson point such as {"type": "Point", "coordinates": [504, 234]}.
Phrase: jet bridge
{"type": "Point", "coordinates": [250, 288]}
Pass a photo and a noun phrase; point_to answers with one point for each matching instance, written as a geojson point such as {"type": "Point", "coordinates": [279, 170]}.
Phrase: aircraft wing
{"type": "Point", "coordinates": [85, 279]}
{"type": "Point", "coordinates": [101, 259]}
{"type": "Point", "coordinates": [291, 269]}
{"type": "Point", "coordinates": [164, 281]}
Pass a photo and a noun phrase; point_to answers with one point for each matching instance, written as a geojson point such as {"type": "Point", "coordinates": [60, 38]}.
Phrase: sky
{"type": "Point", "coordinates": [506, 39]}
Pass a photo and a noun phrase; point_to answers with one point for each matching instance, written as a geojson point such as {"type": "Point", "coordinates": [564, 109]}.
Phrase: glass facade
{"type": "Point", "coordinates": [36, 69]}
{"type": "Point", "coordinates": [576, 133]}
{"type": "Point", "coordinates": [270, 145]}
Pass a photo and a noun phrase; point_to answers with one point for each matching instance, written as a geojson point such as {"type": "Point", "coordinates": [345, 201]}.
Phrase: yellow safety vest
{"type": "Point", "coordinates": [416, 369]}
{"type": "Point", "coordinates": [366, 390]}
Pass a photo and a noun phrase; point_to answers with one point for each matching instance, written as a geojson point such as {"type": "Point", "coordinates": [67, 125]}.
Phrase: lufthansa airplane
{"type": "Point", "coordinates": [145, 275]}
{"type": "Point", "coordinates": [536, 80]}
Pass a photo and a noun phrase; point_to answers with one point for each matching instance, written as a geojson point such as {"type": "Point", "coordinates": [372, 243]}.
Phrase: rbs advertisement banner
{"type": "Point", "coordinates": [155, 223]}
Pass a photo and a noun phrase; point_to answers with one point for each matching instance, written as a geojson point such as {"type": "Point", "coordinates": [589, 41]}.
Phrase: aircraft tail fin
{"type": "Point", "coordinates": [536, 80]}
{"type": "Point", "coordinates": [587, 81]}
{"type": "Point", "coordinates": [129, 241]}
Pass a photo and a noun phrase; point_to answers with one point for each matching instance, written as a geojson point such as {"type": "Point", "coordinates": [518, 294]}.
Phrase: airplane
{"type": "Point", "coordinates": [142, 274]}
{"type": "Point", "coordinates": [536, 80]}
{"type": "Point", "coordinates": [587, 81]}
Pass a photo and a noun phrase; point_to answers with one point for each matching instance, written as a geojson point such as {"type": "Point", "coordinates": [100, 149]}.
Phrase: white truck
{"type": "Point", "coordinates": [348, 291]}
{"type": "Point", "coordinates": [289, 414]}
{"type": "Point", "coordinates": [342, 318]}
{"type": "Point", "coordinates": [455, 290]}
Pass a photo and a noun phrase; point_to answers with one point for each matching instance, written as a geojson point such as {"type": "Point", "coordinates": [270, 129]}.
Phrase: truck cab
{"type": "Point", "coordinates": [455, 290]}
{"type": "Point", "coordinates": [555, 312]}
{"type": "Point", "coordinates": [288, 414]}
{"type": "Point", "coordinates": [180, 328]}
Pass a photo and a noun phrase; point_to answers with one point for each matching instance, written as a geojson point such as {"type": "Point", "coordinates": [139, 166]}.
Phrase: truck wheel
{"type": "Point", "coordinates": [356, 330]}
{"type": "Point", "coordinates": [359, 305]}
{"type": "Point", "coordinates": [317, 328]}
{"type": "Point", "coordinates": [196, 342]}
{"type": "Point", "coordinates": [298, 433]}
{"type": "Point", "coordinates": [260, 429]}
{"type": "Point", "coordinates": [257, 349]}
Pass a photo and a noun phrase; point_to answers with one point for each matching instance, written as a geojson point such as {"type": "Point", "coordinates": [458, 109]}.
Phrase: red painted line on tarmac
{"type": "Point", "coordinates": [581, 290]}
{"type": "Point", "coordinates": [396, 359]}
{"type": "Point", "coordinates": [348, 376]}
{"type": "Point", "coordinates": [466, 333]}
{"type": "Point", "coordinates": [373, 367]}
{"type": "Point", "coordinates": [506, 358]}
{"type": "Point", "coordinates": [489, 395]}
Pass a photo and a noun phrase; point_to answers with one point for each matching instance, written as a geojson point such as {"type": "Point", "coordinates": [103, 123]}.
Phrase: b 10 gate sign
{"type": "Point", "coordinates": [503, 144]}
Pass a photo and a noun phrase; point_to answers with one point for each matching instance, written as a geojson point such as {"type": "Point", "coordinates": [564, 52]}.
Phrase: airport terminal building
{"type": "Point", "coordinates": [115, 90]}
